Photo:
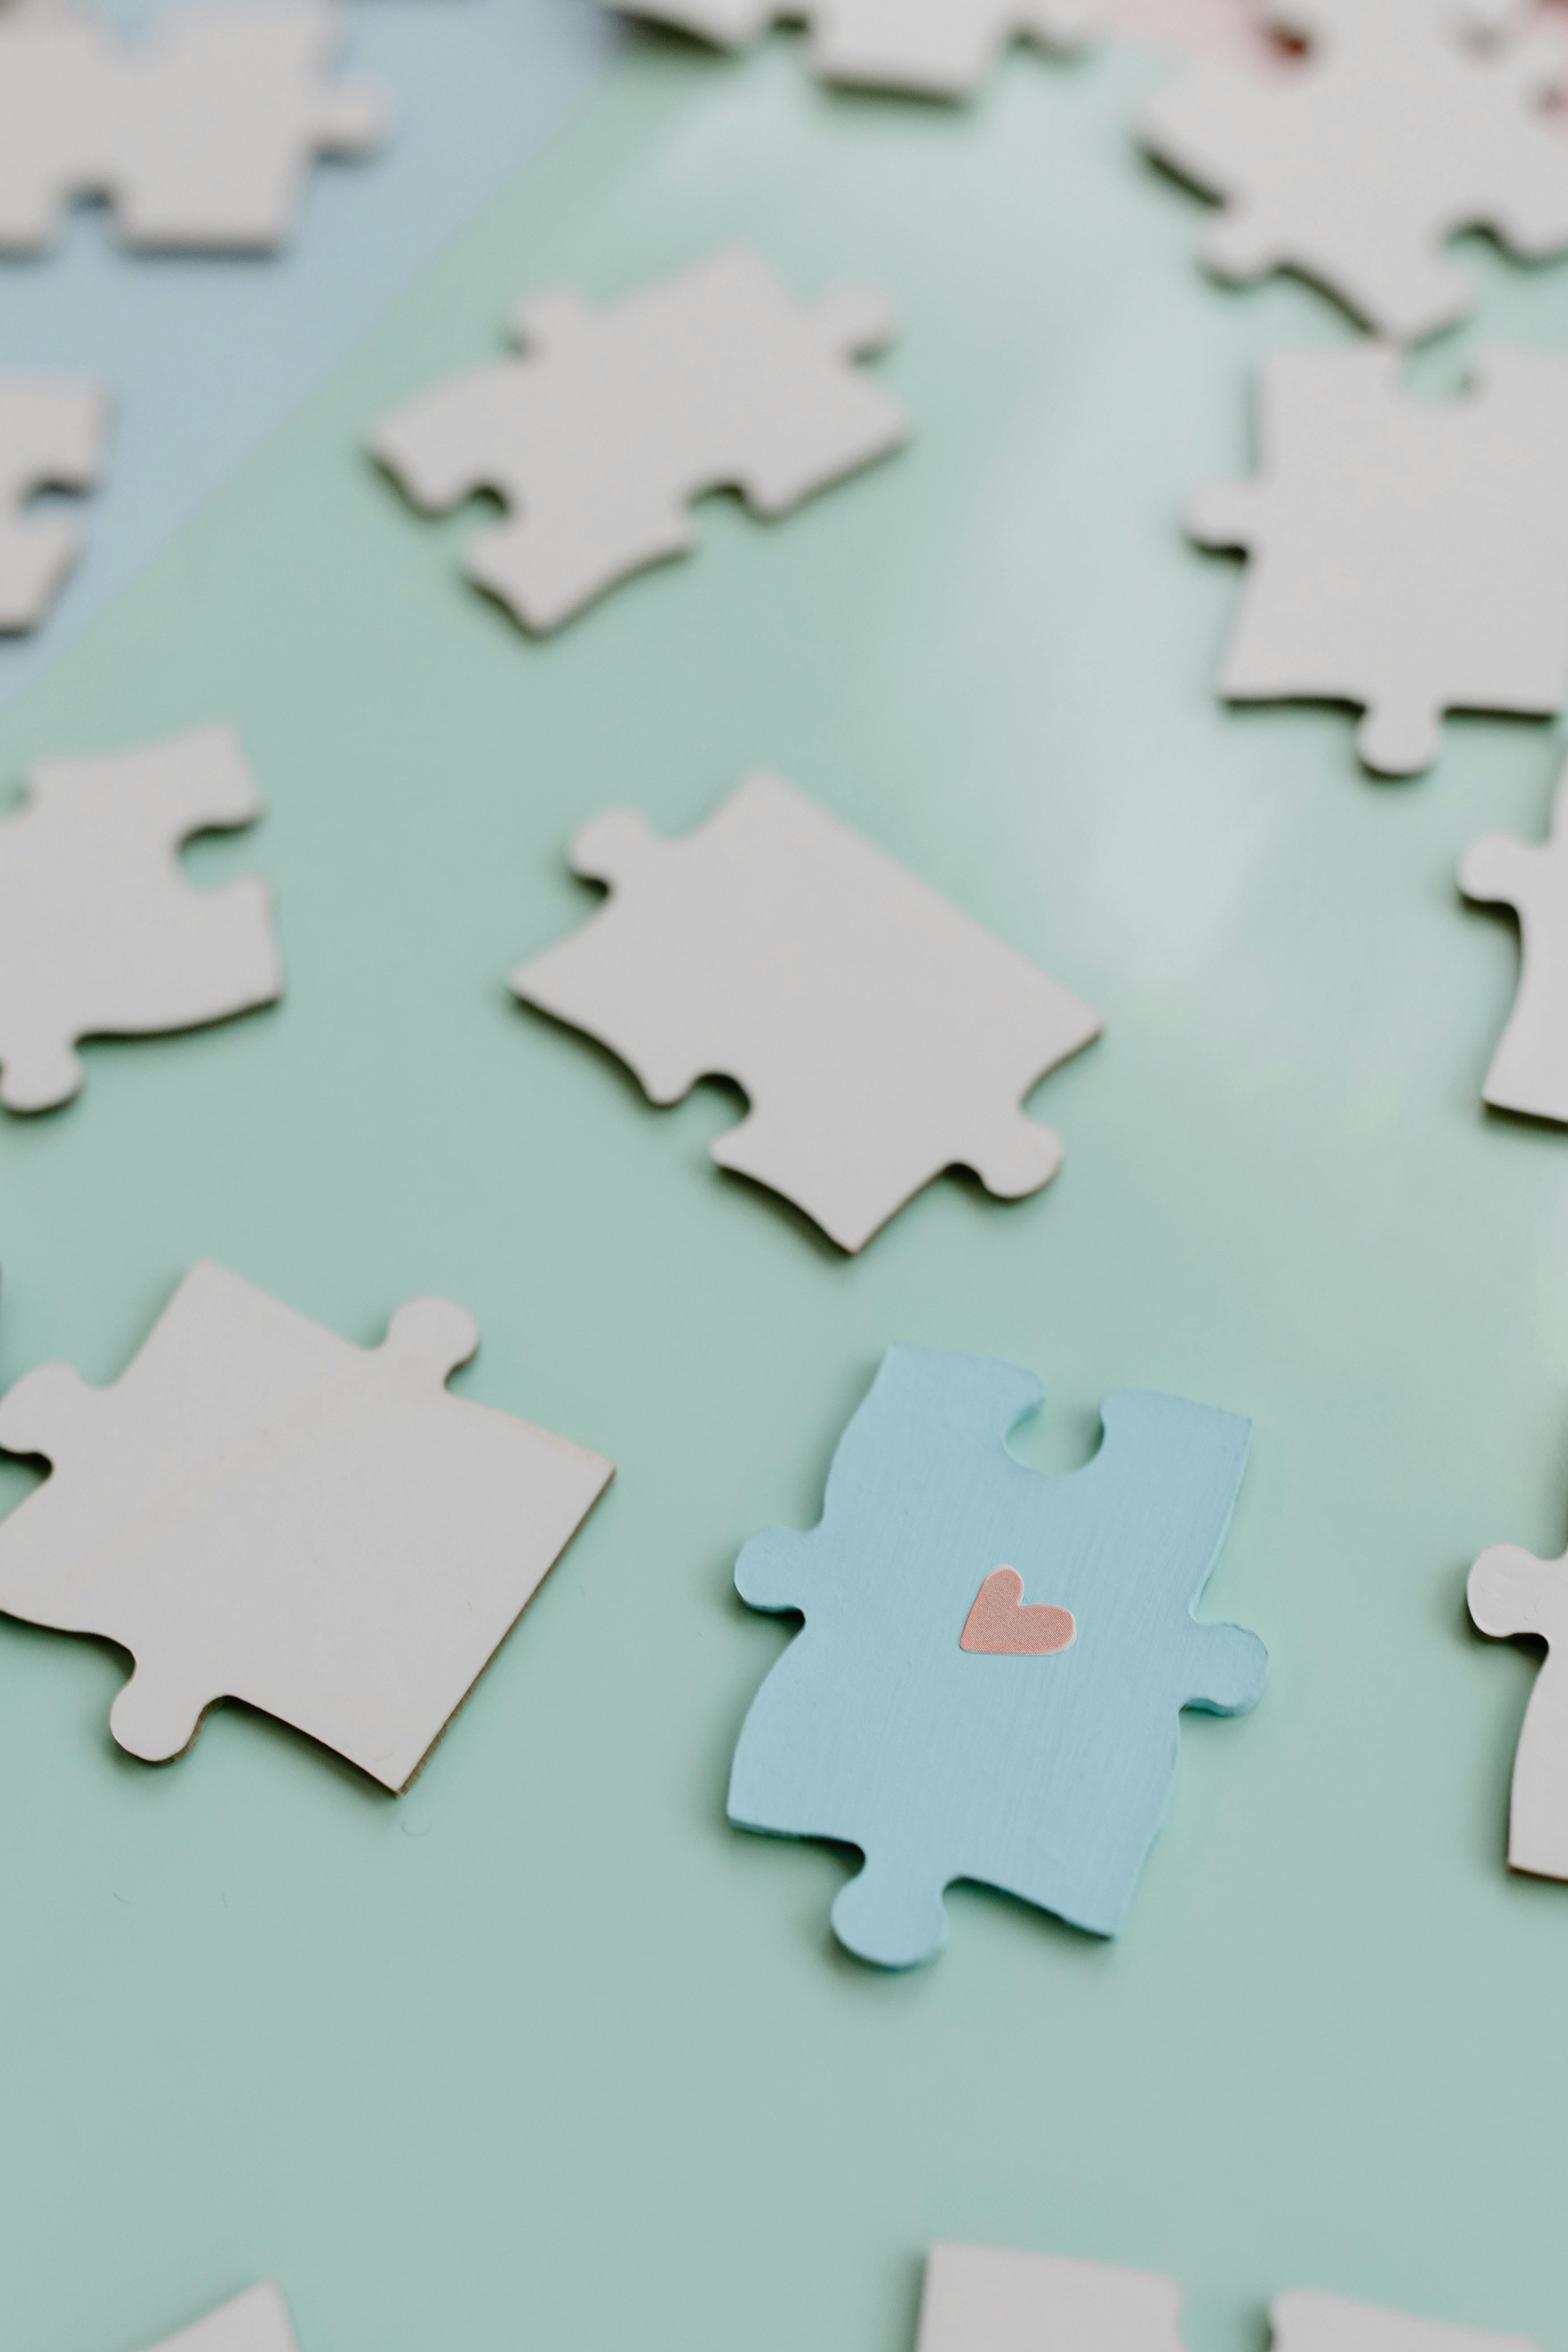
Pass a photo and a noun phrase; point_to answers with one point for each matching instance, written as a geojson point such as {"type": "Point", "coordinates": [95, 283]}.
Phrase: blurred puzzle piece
{"type": "Point", "coordinates": [879, 1034]}
{"type": "Point", "coordinates": [1528, 1071]}
{"type": "Point", "coordinates": [52, 432]}
{"type": "Point", "coordinates": [1405, 124]}
{"type": "Point", "coordinates": [1410, 556]}
{"type": "Point", "coordinates": [617, 419]}
{"type": "Point", "coordinates": [254, 2322]}
{"type": "Point", "coordinates": [1513, 1595]}
{"type": "Point", "coordinates": [257, 1510]}
{"type": "Point", "coordinates": [935, 48]}
{"type": "Point", "coordinates": [100, 935]}
{"type": "Point", "coordinates": [1048, 1775]}
{"type": "Point", "coordinates": [199, 136]}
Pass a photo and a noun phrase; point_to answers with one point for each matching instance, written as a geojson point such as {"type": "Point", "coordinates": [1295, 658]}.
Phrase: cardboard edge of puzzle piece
{"type": "Point", "coordinates": [999, 2299]}
{"type": "Point", "coordinates": [257, 2321]}
{"type": "Point", "coordinates": [590, 506]}
{"type": "Point", "coordinates": [849, 1172]}
{"type": "Point", "coordinates": [1311, 2322]}
{"type": "Point", "coordinates": [99, 837]}
{"type": "Point", "coordinates": [1513, 1595]}
{"type": "Point", "coordinates": [1529, 1070]}
{"type": "Point", "coordinates": [389, 1650]}
{"type": "Point", "coordinates": [52, 435]}
{"type": "Point", "coordinates": [866, 46]}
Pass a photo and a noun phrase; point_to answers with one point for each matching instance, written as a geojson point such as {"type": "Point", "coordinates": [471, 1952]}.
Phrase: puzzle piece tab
{"type": "Point", "coordinates": [257, 1510]}
{"type": "Point", "coordinates": [1358, 165]}
{"type": "Point", "coordinates": [938, 48]}
{"type": "Point", "coordinates": [617, 418]}
{"type": "Point", "coordinates": [1530, 1069]}
{"type": "Point", "coordinates": [1410, 556]}
{"type": "Point", "coordinates": [255, 2322]}
{"type": "Point", "coordinates": [201, 136]}
{"type": "Point", "coordinates": [99, 934]}
{"type": "Point", "coordinates": [1512, 1594]}
{"type": "Point", "coordinates": [1044, 1775]}
{"type": "Point", "coordinates": [52, 432]}
{"type": "Point", "coordinates": [879, 1035]}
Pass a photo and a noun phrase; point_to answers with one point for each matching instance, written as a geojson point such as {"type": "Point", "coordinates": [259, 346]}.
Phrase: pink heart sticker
{"type": "Point", "coordinates": [999, 1627]}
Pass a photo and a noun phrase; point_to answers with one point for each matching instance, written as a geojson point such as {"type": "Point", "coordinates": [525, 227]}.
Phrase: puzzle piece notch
{"type": "Point", "coordinates": [930, 48]}
{"type": "Point", "coordinates": [1511, 1595]}
{"type": "Point", "coordinates": [617, 418]}
{"type": "Point", "coordinates": [992, 2299]}
{"type": "Point", "coordinates": [257, 2321]}
{"type": "Point", "coordinates": [52, 434]}
{"type": "Point", "coordinates": [99, 934]}
{"type": "Point", "coordinates": [1047, 1777]}
{"type": "Point", "coordinates": [1358, 164]}
{"type": "Point", "coordinates": [879, 1034]}
{"type": "Point", "coordinates": [200, 137]}
{"type": "Point", "coordinates": [257, 1510]}
{"type": "Point", "coordinates": [1528, 1071]}
{"type": "Point", "coordinates": [1408, 555]}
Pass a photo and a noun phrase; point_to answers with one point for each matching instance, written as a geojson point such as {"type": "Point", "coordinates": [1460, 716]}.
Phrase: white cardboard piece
{"type": "Point", "coordinates": [200, 135]}
{"type": "Point", "coordinates": [1327, 2323]}
{"type": "Point", "coordinates": [100, 935]}
{"type": "Point", "coordinates": [257, 2321]}
{"type": "Point", "coordinates": [257, 1510]}
{"type": "Point", "coordinates": [879, 1035]}
{"type": "Point", "coordinates": [1513, 1593]}
{"type": "Point", "coordinates": [991, 2299]}
{"type": "Point", "coordinates": [619, 418]}
{"type": "Point", "coordinates": [936, 48]}
{"type": "Point", "coordinates": [1410, 556]}
{"type": "Point", "coordinates": [52, 433]}
{"type": "Point", "coordinates": [1357, 166]}
{"type": "Point", "coordinates": [1530, 1069]}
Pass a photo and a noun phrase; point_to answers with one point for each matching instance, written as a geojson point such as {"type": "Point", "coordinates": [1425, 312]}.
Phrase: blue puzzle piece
{"type": "Point", "coordinates": [1046, 1775]}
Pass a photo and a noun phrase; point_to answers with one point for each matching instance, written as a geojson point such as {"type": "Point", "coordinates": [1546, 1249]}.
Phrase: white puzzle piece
{"type": "Point", "coordinates": [201, 136]}
{"type": "Point", "coordinates": [1409, 556]}
{"type": "Point", "coordinates": [52, 431]}
{"type": "Point", "coordinates": [1358, 165]}
{"type": "Point", "coordinates": [938, 48]}
{"type": "Point", "coordinates": [619, 418]}
{"type": "Point", "coordinates": [1530, 1069]}
{"type": "Point", "coordinates": [1511, 1594]}
{"type": "Point", "coordinates": [257, 1510]}
{"type": "Point", "coordinates": [255, 2322]}
{"type": "Point", "coordinates": [991, 2299]}
{"type": "Point", "coordinates": [1327, 2323]}
{"type": "Point", "coordinates": [100, 935]}
{"type": "Point", "coordinates": [879, 1034]}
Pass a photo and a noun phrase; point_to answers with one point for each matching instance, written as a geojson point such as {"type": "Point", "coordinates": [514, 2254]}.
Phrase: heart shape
{"type": "Point", "coordinates": [999, 1627]}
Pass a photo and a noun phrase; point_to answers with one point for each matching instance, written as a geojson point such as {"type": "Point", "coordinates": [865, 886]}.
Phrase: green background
{"type": "Point", "coordinates": [545, 2054]}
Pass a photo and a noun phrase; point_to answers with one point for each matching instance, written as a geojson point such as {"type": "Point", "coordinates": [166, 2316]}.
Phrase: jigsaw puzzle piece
{"type": "Point", "coordinates": [1327, 2323]}
{"type": "Point", "coordinates": [1408, 555]}
{"type": "Point", "coordinates": [52, 431]}
{"type": "Point", "coordinates": [992, 2299]}
{"type": "Point", "coordinates": [932, 48]}
{"type": "Point", "coordinates": [1511, 1595]}
{"type": "Point", "coordinates": [99, 934]}
{"type": "Point", "coordinates": [255, 2322]}
{"type": "Point", "coordinates": [619, 418]}
{"type": "Point", "coordinates": [1358, 164]}
{"type": "Point", "coordinates": [1530, 1069]}
{"type": "Point", "coordinates": [879, 1034]}
{"type": "Point", "coordinates": [201, 136]}
{"type": "Point", "coordinates": [257, 1510]}
{"type": "Point", "coordinates": [219, 120]}
{"type": "Point", "coordinates": [1046, 1775]}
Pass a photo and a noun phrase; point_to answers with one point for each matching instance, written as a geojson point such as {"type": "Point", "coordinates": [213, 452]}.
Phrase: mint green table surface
{"type": "Point", "coordinates": [545, 2056]}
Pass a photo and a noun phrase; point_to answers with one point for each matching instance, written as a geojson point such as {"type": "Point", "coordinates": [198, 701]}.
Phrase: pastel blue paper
{"type": "Point", "coordinates": [1045, 1776]}
{"type": "Point", "coordinates": [205, 354]}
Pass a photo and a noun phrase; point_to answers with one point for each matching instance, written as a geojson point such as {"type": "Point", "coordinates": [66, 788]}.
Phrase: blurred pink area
{"type": "Point", "coordinates": [1199, 27]}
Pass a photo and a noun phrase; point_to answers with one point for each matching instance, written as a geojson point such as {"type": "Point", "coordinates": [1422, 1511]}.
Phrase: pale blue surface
{"type": "Point", "coordinates": [1046, 1776]}
{"type": "Point", "coordinates": [206, 354]}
